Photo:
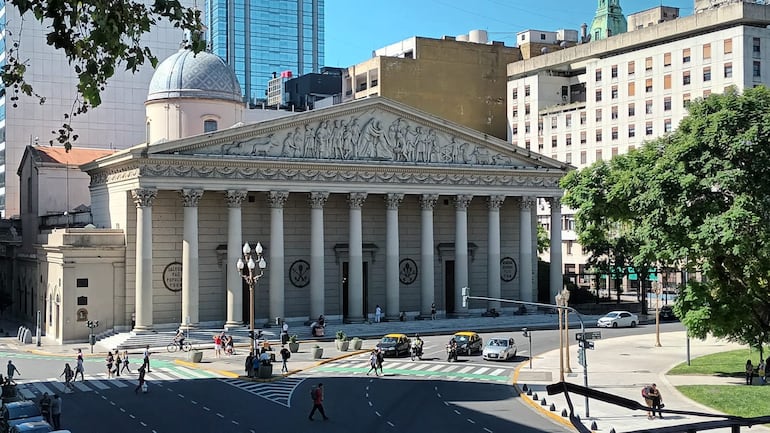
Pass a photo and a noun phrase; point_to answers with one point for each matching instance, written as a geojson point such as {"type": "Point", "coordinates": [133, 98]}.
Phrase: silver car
{"type": "Point", "coordinates": [499, 349]}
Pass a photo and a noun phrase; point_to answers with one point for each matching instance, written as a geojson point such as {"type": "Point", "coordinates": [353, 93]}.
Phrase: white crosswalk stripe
{"type": "Point", "coordinates": [464, 371]}
{"type": "Point", "coordinates": [278, 392]}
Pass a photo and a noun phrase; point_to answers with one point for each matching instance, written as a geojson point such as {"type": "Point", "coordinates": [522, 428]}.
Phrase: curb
{"type": "Point", "coordinates": [196, 366]}
{"type": "Point", "coordinates": [554, 416]}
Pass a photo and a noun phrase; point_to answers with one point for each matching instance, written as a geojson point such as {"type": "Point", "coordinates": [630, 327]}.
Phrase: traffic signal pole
{"type": "Point", "coordinates": [466, 292]}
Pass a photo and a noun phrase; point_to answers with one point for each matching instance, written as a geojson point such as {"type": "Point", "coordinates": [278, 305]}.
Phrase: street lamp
{"type": "Point", "coordinates": [91, 338]}
{"type": "Point", "coordinates": [528, 334]}
{"type": "Point", "coordinates": [251, 278]}
{"type": "Point", "coordinates": [558, 299]}
{"type": "Point", "coordinates": [658, 289]}
{"type": "Point", "coordinates": [565, 299]}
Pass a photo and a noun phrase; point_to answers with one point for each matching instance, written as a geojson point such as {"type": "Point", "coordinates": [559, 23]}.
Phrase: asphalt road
{"type": "Point", "coordinates": [180, 400]}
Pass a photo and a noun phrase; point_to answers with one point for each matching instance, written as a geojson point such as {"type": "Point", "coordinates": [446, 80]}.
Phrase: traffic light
{"type": "Point", "coordinates": [588, 344]}
{"type": "Point", "coordinates": [524, 332]}
{"type": "Point", "coordinates": [582, 356]}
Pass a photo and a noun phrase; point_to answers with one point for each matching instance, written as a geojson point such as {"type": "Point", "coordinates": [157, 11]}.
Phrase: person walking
{"type": "Point", "coordinates": [11, 371]}
{"type": "Point", "coordinates": [79, 369]}
{"type": "Point", "coordinates": [110, 361]}
{"type": "Point", "coordinates": [118, 364]}
{"type": "Point", "coordinates": [249, 365]}
{"type": "Point", "coordinates": [146, 362]}
{"type": "Point", "coordinates": [141, 380]}
{"type": "Point", "coordinates": [317, 394]}
{"type": "Point", "coordinates": [56, 412]}
{"type": "Point", "coordinates": [284, 333]}
{"type": "Point", "coordinates": [68, 375]}
{"type": "Point", "coordinates": [433, 311]}
{"type": "Point", "coordinates": [373, 363]}
{"type": "Point", "coordinates": [762, 371]}
{"type": "Point", "coordinates": [45, 407]}
{"type": "Point", "coordinates": [217, 346]}
{"type": "Point", "coordinates": [749, 372]}
{"type": "Point", "coordinates": [380, 360]}
{"type": "Point", "coordinates": [285, 355]}
{"type": "Point", "coordinates": [377, 313]}
{"type": "Point", "coordinates": [647, 394]}
{"type": "Point", "coordinates": [657, 401]}
{"type": "Point", "coordinates": [125, 362]}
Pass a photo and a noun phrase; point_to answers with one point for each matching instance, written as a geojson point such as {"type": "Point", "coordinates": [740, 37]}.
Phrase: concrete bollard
{"type": "Point", "coordinates": [564, 413]}
{"type": "Point", "coordinates": [525, 388]}
{"type": "Point", "coordinates": [529, 392]}
{"type": "Point", "coordinates": [543, 403]}
{"type": "Point", "coordinates": [552, 408]}
{"type": "Point", "coordinates": [534, 397]}
{"type": "Point", "coordinates": [594, 426]}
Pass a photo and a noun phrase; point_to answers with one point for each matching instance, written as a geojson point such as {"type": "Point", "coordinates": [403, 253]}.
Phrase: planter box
{"type": "Point", "coordinates": [265, 371]}
{"type": "Point", "coordinates": [318, 352]}
{"type": "Point", "coordinates": [293, 347]}
{"type": "Point", "coordinates": [342, 346]}
{"type": "Point", "coordinates": [356, 343]}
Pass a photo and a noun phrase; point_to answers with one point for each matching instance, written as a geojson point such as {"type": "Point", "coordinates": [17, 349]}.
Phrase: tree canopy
{"type": "Point", "coordinates": [698, 198]}
{"type": "Point", "coordinates": [97, 37]}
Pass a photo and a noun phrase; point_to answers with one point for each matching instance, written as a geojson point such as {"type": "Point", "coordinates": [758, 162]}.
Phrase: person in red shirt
{"type": "Point", "coordinates": [318, 402]}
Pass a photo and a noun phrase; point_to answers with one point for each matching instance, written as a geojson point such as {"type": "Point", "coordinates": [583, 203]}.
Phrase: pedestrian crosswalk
{"type": "Point", "coordinates": [33, 389]}
{"type": "Point", "coordinates": [279, 391]}
{"type": "Point", "coordinates": [464, 371]}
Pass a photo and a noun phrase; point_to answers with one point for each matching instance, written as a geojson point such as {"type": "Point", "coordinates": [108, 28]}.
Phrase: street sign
{"type": "Point", "coordinates": [594, 335]}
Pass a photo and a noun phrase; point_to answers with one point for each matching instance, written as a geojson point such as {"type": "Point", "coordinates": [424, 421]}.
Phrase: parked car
{"type": "Point", "coordinates": [615, 319]}
{"type": "Point", "coordinates": [18, 412]}
{"type": "Point", "coordinates": [468, 342]}
{"type": "Point", "coordinates": [499, 349]}
{"type": "Point", "coordinates": [395, 344]}
{"type": "Point", "coordinates": [33, 427]}
{"type": "Point", "coordinates": [667, 313]}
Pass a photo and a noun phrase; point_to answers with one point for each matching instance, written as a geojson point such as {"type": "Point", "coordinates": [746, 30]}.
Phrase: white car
{"type": "Point", "coordinates": [499, 349]}
{"type": "Point", "coordinates": [615, 319]}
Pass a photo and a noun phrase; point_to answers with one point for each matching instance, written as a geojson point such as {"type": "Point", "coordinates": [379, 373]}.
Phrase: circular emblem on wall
{"type": "Point", "coordinates": [508, 269]}
{"type": "Point", "coordinates": [299, 273]}
{"type": "Point", "coordinates": [172, 276]}
{"type": "Point", "coordinates": [407, 271]}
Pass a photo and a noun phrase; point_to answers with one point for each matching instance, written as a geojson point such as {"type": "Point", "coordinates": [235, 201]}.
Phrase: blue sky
{"type": "Point", "coordinates": [354, 28]}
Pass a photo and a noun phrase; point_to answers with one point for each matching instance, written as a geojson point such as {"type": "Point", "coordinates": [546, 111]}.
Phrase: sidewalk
{"type": "Point", "coordinates": [622, 366]}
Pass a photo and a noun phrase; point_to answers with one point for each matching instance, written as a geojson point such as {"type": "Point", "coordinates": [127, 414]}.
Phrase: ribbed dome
{"type": "Point", "coordinates": [189, 75]}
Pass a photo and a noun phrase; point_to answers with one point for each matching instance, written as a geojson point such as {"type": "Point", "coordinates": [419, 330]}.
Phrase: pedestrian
{"type": "Point", "coordinates": [749, 372]}
{"type": "Point", "coordinates": [218, 345]}
{"type": "Point", "coordinates": [249, 366]}
{"type": "Point", "coordinates": [118, 363]}
{"type": "Point", "coordinates": [657, 401]}
{"type": "Point", "coordinates": [380, 359]}
{"type": "Point", "coordinates": [45, 407]}
{"type": "Point", "coordinates": [285, 355]}
{"type": "Point", "coordinates": [284, 333]}
{"type": "Point", "coordinates": [68, 375]}
{"type": "Point", "coordinates": [146, 363]}
{"type": "Point", "coordinates": [255, 365]}
{"type": "Point", "coordinates": [762, 371]}
{"type": "Point", "coordinates": [317, 394]}
{"type": "Point", "coordinates": [373, 363]}
{"type": "Point", "coordinates": [647, 394]}
{"type": "Point", "coordinates": [377, 313]}
{"type": "Point", "coordinates": [110, 360]}
{"type": "Point", "coordinates": [433, 311]}
{"type": "Point", "coordinates": [141, 380]}
{"type": "Point", "coordinates": [56, 412]}
{"type": "Point", "coordinates": [11, 371]}
{"type": "Point", "coordinates": [125, 362]}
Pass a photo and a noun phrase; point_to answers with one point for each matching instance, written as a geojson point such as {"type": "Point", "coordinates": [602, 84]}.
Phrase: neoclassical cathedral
{"type": "Point", "coordinates": [360, 204]}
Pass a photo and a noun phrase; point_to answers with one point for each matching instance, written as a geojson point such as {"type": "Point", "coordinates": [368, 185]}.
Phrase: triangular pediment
{"type": "Point", "coordinates": [370, 130]}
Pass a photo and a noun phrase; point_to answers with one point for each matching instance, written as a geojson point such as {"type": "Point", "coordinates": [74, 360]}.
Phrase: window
{"type": "Point", "coordinates": [526, 109]}
{"type": "Point", "coordinates": [82, 300]}
{"type": "Point", "coordinates": [540, 144]}
{"type": "Point", "coordinates": [583, 137]}
{"type": "Point", "coordinates": [667, 125]}
{"type": "Point", "coordinates": [648, 128]}
{"type": "Point", "coordinates": [527, 128]}
{"type": "Point", "coordinates": [526, 144]}
{"type": "Point", "coordinates": [728, 46]}
{"type": "Point", "coordinates": [614, 92]}
{"type": "Point", "coordinates": [631, 110]}
{"type": "Point", "coordinates": [706, 51]}
{"type": "Point", "coordinates": [706, 93]}
{"type": "Point", "coordinates": [568, 158]}
{"type": "Point", "coordinates": [146, 138]}
{"type": "Point", "coordinates": [569, 140]}
{"type": "Point", "coordinates": [728, 70]}
{"type": "Point", "coordinates": [540, 126]}
{"type": "Point", "coordinates": [542, 36]}
{"type": "Point", "coordinates": [583, 158]}
{"type": "Point", "coordinates": [648, 64]}
{"type": "Point", "coordinates": [614, 71]}
{"type": "Point", "coordinates": [568, 119]}
{"type": "Point", "coordinates": [686, 78]}
{"type": "Point", "coordinates": [755, 47]}
{"type": "Point", "coordinates": [667, 82]}
{"type": "Point", "coordinates": [707, 73]}
{"type": "Point", "coordinates": [554, 122]}
{"type": "Point", "coordinates": [648, 85]}
{"type": "Point", "coordinates": [526, 90]}
{"type": "Point", "coordinates": [209, 125]}
{"type": "Point", "coordinates": [598, 75]}
{"type": "Point", "coordinates": [554, 141]}
{"type": "Point", "coordinates": [632, 130]}
{"type": "Point", "coordinates": [614, 113]}
{"type": "Point", "coordinates": [598, 154]}
{"type": "Point", "coordinates": [582, 117]}
{"type": "Point", "coordinates": [614, 152]}
{"type": "Point", "coordinates": [514, 130]}
{"type": "Point", "coordinates": [686, 55]}
{"type": "Point", "coordinates": [631, 68]}
{"type": "Point", "coordinates": [598, 135]}
{"type": "Point", "coordinates": [515, 94]}
{"type": "Point", "coordinates": [598, 114]}
{"type": "Point", "coordinates": [614, 132]}
{"type": "Point", "coordinates": [757, 69]}
{"type": "Point", "coordinates": [667, 103]}
{"type": "Point", "coordinates": [598, 95]}
{"type": "Point", "coordinates": [569, 248]}
{"type": "Point", "coordinates": [81, 282]}
{"type": "Point", "coordinates": [515, 112]}
{"type": "Point", "coordinates": [685, 99]}
{"type": "Point", "coordinates": [648, 106]}
{"type": "Point", "coordinates": [667, 59]}
{"type": "Point", "coordinates": [631, 88]}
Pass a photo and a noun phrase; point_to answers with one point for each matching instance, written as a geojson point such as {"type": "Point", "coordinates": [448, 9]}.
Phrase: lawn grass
{"type": "Point", "coordinates": [745, 401]}
{"type": "Point", "coordinates": [726, 364]}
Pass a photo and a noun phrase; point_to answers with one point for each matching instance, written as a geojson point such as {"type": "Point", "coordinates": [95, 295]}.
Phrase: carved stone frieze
{"type": "Point", "coordinates": [318, 199]}
{"type": "Point", "coordinates": [143, 197]}
{"type": "Point", "coordinates": [190, 197]}
{"type": "Point", "coordinates": [277, 199]}
{"type": "Point", "coordinates": [356, 199]}
{"type": "Point", "coordinates": [462, 201]}
{"type": "Point", "coordinates": [527, 203]}
{"type": "Point", "coordinates": [234, 198]}
{"type": "Point", "coordinates": [495, 201]}
{"type": "Point", "coordinates": [393, 200]}
{"type": "Point", "coordinates": [428, 201]}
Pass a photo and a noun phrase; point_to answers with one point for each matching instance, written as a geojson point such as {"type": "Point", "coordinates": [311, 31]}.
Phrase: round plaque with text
{"type": "Point", "coordinates": [407, 271]}
{"type": "Point", "coordinates": [299, 273]}
{"type": "Point", "coordinates": [508, 269]}
{"type": "Point", "coordinates": [172, 276]}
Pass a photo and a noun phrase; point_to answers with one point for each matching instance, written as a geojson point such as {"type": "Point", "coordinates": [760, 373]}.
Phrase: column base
{"type": "Point", "coordinates": [188, 326]}
{"type": "Point", "coordinates": [143, 329]}
{"type": "Point", "coordinates": [234, 325]}
{"type": "Point", "coordinates": [354, 320]}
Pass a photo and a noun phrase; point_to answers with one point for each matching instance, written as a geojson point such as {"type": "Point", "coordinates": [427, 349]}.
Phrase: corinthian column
{"type": "Point", "coordinates": [276, 200]}
{"type": "Point", "coordinates": [427, 288]}
{"type": "Point", "coordinates": [557, 278]}
{"type": "Point", "coordinates": [190, 287]}
{"type": "Point", "coordinates": [494, 203]}
{"type": "Point", "coordinates": [234, 280]}
{"type": "Point", "coordinates": [525, 248]}
{"type": "Point", "coordinates": [356, 259]}
{"type": "Point", "coordinates": [392, 306]}
{"type": "Point", "coordinates": [143, 199]}
{"type": "Point", "coordinates": [317, 274]}
{"type": "Point", "coordinates": [461, 248]}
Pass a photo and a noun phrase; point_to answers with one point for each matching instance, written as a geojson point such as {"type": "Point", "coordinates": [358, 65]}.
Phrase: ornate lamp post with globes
{"type": "Point", "coordinates": [251, 278]}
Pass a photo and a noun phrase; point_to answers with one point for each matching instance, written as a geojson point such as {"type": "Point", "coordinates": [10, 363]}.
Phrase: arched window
{"type": "Point", "coordinates": [209, 125]}
{"type": "Point", "coordinates": [147, 132]}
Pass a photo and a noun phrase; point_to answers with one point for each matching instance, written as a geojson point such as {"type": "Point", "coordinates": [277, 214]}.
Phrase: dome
{"type": "Point", "coordinates": [189, 75]}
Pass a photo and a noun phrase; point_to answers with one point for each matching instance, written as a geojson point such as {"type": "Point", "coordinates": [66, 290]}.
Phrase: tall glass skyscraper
{"type": "Point", "coordinates": [259, 37]}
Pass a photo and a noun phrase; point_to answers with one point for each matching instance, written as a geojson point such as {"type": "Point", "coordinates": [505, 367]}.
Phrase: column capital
{"type": "Point", "coordinates": [356, 199]}
{"type": "Point", "coordinates": [527, 202]}
{"type": "Point", "coordinates": [555, 202]}
{"type": "Point", "coordinates": [428, 201]}
{"type": "Point", "coordinates": [462, 201]}
{"type": "Point", "coordinates": [234, 197]}
{"type": "Point", "coordinates": [393, 200]}
{"type": "Point", "coordinates": [190, 197]}
{"type": "Point", "coordinates": [276, 199]}
{"type": "Point", "coordinates": [495, 201]}
{"type": "Point", "coordinates": [318, 199]}
{"type": "Point", "coordinates": [143, 197]}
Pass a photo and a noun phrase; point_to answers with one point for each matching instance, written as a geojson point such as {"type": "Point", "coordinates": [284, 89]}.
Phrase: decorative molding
{"type": "Point", "coordinates": [462, 201]}
{"type": "Point", "coordinates": [356, 199]}
{"type": "Point", "coordinates": [234, 198]}
{"type": "Point", "coordinates": [191, 197]}
{"type": "Point", "coordinates": [143, 197]}
{"type": "Point", "coordinates": [428, 201]}
{"type": "Point", "coordinates": [495, 201]}
{"type": "Point", "coordinates": [318, 199]}
{"type": "Point", "coordinates": [299, 273]}
{"type": "Point", "coordinates": [555, 202]}
{"type": "Point", "coordinates": [277, 199]}
{"type": "Point", "coordinates": [393, 200]}
{"type": "Point", "coordinates": [407, 271]}
{"type": "Point", "coordinates": [527, 203]}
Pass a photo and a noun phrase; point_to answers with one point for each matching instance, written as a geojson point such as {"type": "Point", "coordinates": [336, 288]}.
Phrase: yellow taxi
{"type": "Point", "coordinates": [395, 344]}
{"type": "Point", "coordinates": [468, 342]}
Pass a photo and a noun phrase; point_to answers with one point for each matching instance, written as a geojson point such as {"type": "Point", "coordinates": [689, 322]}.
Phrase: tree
{"type": "Point", "coordinates": [543, 240]}
{"type": "Point", "coordinates": [97, 37]}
